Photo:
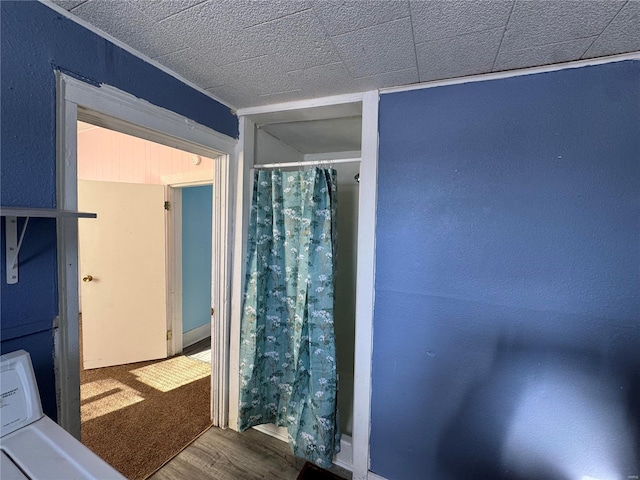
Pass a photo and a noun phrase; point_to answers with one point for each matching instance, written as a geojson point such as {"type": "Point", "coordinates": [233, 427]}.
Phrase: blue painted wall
{"type": "Point", "coordinates": [36, 41]}
{"type": "Point", "coordinates": [196, 256]}
{"type": "Point", "coordinates": [508, 279]}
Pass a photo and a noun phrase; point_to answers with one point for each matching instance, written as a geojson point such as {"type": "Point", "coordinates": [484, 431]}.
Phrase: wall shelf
{"type": "Point", "coordinates": [43, 213]}
{"type": "Point", "coordinates": [12, 242]}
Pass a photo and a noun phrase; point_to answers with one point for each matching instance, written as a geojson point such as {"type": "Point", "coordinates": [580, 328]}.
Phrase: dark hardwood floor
{"type": "Point", "coordinates": [199, 347]}
{"type": "Point", "coordinates": [228, 455]}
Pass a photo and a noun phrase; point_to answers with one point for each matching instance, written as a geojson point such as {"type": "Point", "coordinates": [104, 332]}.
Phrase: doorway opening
{"type": "Point", "coordinates": [143, 254]}
{"type": "Point", "coordinates": [114, 109]}
{"type": "Point", "coordinates": [329, 135]}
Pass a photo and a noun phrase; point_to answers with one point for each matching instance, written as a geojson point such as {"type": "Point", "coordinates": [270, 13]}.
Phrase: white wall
{"type": "Point", "coordinates": [109, 156]}
{"type": "Point", "coordinates": [271, 150]}
{"type": "Point", "coordinates": [345, 308]}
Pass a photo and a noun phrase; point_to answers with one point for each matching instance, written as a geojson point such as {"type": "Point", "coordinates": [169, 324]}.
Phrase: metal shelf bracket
{"type": "Point", "coordinates": [13, 245]}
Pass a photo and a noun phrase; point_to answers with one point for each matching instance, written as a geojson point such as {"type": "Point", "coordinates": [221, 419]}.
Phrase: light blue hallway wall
{"type": "Point", "coordinates": [196, 256]}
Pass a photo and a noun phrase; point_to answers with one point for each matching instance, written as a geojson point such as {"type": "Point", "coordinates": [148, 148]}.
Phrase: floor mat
{"type": "Point", "coordinates": [311, 471]}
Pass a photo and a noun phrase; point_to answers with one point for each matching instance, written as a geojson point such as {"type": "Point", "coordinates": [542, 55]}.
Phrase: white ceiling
{"type": "Point", "coordinates": [258, 52]}
{"type": "Point", "coordinates": [320, 136]}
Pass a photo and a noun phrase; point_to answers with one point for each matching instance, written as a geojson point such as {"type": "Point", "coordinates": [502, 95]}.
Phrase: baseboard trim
{"type": "Point", "coordinates": [343, 459]}
{"type": "Point", "coordinates": [196, 334]}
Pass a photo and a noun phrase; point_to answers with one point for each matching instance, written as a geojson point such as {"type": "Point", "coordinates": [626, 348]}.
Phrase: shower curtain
{"type": "Point", "coordinates": [287, 351]}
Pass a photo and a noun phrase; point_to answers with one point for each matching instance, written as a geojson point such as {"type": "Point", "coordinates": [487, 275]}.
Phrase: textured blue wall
{"type": "Point", "coordinates": [196, 256]}
{"type": "Point", "coordinates": [508, 279]}
{"type": "Point", "coordinates": [36, 41]}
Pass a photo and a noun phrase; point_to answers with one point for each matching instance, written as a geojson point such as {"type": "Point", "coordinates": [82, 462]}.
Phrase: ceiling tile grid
{"type": "Point", "coordinates": [69, 4]}
{"type": "Point", "coordinates": [621, 35]}
{"type": "Point", "coordinates": [543, 54]}
{"type": "Point", "coordinates": [438, 20]}
{"type": "Point", "coordinates": [161, 9]}
{"type": "Point", "coordinates": [382, 48]}
{"type": "Point", "coordinates": [295, 41]}
{"type": "Point", "coordinates": [211, 30]}
{"type": "Point", "coordinates": [340, 16]}
{"type": "Point", "coordinates": [467, 54]}
{"type": "Point", "coordinates": [539, 23]}
{"type": "Point", "coordinates": [253, 52]}
{"type": "Point", "coordinates": [250, 13]}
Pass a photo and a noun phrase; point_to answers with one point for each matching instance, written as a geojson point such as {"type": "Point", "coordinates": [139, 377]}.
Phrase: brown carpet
{"type": "Point", "coordinates": [138, 416]}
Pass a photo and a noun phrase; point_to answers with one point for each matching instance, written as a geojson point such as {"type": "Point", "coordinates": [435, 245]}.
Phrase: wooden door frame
{"type": "Point", "coordinates": [117, 110]}
{"type": "Point", "coordinates": [174, 185]}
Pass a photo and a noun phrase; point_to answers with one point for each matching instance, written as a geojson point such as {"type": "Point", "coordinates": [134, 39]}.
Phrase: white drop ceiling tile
{"type": "Point", "coordinates": [339, 16]}
{"type": "Point", "coordinates": [249, 13]}
{"type": "Point", "coordinates": [382, 48]}
{"type": "Point", "coordinates": [260, 79]}
{"type": "Point", "coordinates": [279, 97]}
{"type": "Point", "coordinates": [194, 67]}
{"type": "Point", "coordinates": [245, 95]}
{"type": "Point", "coordinates": [328, 79]}
{"type": "Point", "coordinates": [68, 4]}
{"type": "Point", "coordinates": [324, 79]}
{"type": "Point", "coordinates": [540, 23]}
{"type": "Point", "coordinates": [209, 29]}
{"type": "Point", "coordinates": [131, 26]}
{"type": "Point", "coordinates": [296, 41]}
{"type": "Point", "coordinates": [440, 19]}
{"type": "Point", "coordinates": [621, 35]}
{"type": "Point", "coordinates": [238, 95]}
{"type": "Point", "coordinates": [265, 72]}
{"type": "Point", "coordinates": [389, 79]}
{"type": "Point", "coordinates": [543, 54]}
{"type": "Point", "coordinates": [161, 9]}
{"type": "Point", "coordinates": [458, 56]}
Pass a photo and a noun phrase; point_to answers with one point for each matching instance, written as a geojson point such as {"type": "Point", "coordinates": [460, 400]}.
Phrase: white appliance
{"type": "Point", "coordinates": [34, 446]}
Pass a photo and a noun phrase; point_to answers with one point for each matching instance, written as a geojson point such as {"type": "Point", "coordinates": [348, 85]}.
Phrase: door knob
{"type": "Point", "coordinates": [88, 278]}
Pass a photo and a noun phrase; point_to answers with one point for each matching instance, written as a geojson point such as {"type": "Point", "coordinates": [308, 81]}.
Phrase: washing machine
{"type": "Point", "coordinates": [32, 445]}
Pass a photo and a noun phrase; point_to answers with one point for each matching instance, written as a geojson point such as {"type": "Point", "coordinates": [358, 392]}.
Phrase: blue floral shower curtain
{"type": "Point", "coordinates": [287, 353]}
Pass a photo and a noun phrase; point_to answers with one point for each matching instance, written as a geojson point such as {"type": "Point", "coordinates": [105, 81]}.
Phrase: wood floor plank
{"type": "Point", "coordinates": [228, 455]}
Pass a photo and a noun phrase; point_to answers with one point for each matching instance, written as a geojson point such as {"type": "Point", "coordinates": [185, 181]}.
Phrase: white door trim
{"type": "Point", "coordinates": [174, 268]}
{"type": "Point", "coordinates": [221, 254]}
{"type": "Point", "coordinates": [242, 179]}
{"type": "Point", "coordinates": [109, 107]}
{"type": "Point", "coordinates": [175, 184]}
{"type": "Point", "coordinates": [365, 285]}
{"type": "Point", "coordinates": [301, 104]}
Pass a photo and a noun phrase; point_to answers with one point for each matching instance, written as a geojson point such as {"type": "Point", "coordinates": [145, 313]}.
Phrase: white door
{"type": "Point", "coordinates": [122, 267]}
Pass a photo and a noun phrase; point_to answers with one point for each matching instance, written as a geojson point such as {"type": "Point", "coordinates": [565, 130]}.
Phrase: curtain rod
{"type": "Point", "coordinates": [309, 163]}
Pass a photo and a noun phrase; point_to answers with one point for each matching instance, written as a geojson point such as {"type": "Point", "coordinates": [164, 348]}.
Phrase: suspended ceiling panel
{"type": "Point", "coordinates": [249, 52]}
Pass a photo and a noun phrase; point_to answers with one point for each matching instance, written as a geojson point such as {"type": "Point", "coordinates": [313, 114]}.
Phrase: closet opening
{"type": "Point", "coordinates": [328, 137]}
